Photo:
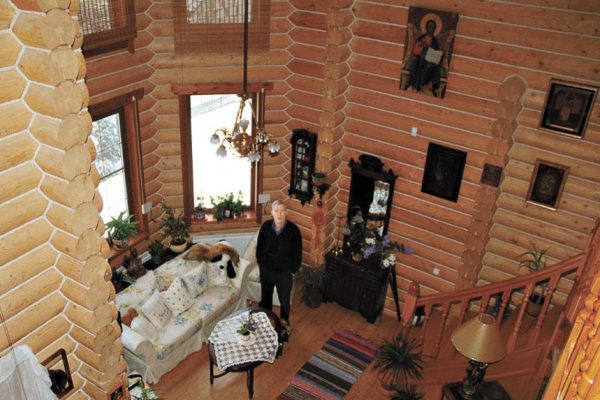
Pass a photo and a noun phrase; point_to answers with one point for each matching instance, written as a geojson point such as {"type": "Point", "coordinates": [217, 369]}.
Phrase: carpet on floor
{"type": "Point", "coordinates": [331, 372]}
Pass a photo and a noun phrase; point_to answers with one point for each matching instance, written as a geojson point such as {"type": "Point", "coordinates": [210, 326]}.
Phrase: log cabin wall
{"type": "Point", "coordinates": [55, 289]}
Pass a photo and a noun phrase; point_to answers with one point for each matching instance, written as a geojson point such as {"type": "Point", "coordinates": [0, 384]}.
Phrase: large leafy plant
{"type": "Point", "coordinates": [121, 228]}
{"type": "Point", "coordinates": [174, 226]}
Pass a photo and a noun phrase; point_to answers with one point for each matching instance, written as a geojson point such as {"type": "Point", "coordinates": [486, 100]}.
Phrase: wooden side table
{"type": "Point", "coordinates": [491, 390]}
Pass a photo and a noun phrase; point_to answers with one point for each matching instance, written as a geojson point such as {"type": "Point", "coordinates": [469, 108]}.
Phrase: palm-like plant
{"type": "Point", "coordinates": [399, 360]}
{"type": "Point", "coordinates": [121, 229]}
{"type": "Point", "coordinates": [535, 260]}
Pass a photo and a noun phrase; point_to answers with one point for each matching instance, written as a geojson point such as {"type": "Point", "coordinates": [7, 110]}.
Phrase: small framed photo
{"type": "Point", "coordinates": [568, 108]}
{"type": "Point", "coordinates": [547, 184]}
{"type": "Point", "coordinates": [443, 171]}
{"type": "Point", "coordinates": [491, 175]}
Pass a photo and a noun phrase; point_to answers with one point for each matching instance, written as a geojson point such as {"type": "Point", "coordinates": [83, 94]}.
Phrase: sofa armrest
{"type": "Point", "coordinates": [136, 343]}
{"type": "Point", "coordinates": [244, 267]}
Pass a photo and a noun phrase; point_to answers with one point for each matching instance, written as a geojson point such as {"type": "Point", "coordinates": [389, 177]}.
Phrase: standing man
{"type": "Point", "coordinates": [279, 254]}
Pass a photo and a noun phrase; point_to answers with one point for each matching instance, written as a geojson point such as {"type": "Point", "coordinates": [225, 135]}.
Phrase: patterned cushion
{"type": "Point", "coordinates": [196, 280]}
{"type": "Point", "coordinates": [177, 297]}
{"type": "Point", "coordinates": [144, 327]}
{"type": "Point", "coordinates": [156, 310]}
{"type": "Point", "coordinates": [137, 293]}
{"type": "Point", "coordinates": [164, 280]}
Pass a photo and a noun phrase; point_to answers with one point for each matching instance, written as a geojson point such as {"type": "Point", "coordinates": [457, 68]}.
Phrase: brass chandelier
{"type": "Point", "coordinates": [244, 143]}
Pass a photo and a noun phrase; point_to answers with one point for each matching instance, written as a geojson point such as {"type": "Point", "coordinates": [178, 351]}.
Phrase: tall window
{"type": "Point", "coordinates": [110, 162]}
{"type": "Point", "coordinates": [202, 109]}
{"type": "Point", "coordinates": [214, 175]}
{"type": "Point", "coordinates": [107, 25]}
{"type": "Point", "coordinates": [118, 157]}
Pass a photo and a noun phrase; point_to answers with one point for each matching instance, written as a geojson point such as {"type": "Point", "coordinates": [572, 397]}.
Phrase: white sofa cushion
{"type": "Point", "coordinates": [136, 294]}
{"type": "Point", "coordinates": [177, 297]}
{"type": "Point", "coordinates": [196, 280]}
{"type": "Point", "coordinates": [144, 327]}
{"type": "Point", "coordinates": [156, 310]}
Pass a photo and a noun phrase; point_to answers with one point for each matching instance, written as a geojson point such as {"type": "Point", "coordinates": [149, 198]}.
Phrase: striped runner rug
{"type": "Point", "coordinates": [332, 371]}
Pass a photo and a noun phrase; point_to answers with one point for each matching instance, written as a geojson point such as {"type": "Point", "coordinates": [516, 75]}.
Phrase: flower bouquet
{"type": "Point", "coordinates": [248, 326]}
{"type": "Point", "coordinates": [384, 247]}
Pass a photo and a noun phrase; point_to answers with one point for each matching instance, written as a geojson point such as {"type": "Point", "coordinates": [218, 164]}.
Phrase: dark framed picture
{"type": "Point", "coordinates": [428, 50]}
{"type": "Point", "coordinates": [568, 108]}
{"type": "Point", "coordinates": [491, 175]}
{"type": "Point", "coordinates": [443, 171]}
{"type": "Point", "coordinates": [547, 184]}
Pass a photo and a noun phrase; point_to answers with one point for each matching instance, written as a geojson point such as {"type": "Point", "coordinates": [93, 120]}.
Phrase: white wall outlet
{"type": "Point", "coordinates": [436, 271]}
{"type": "Point", "coordinates": [264, 198]}
{"type": "Point", "coordinates": [413, 131]}
{"type": "Point", "coordinates": [146, 207]}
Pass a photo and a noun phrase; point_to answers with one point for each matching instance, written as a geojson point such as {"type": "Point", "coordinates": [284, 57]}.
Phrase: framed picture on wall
{"type": "Point", "coordinates": [568, 107]}
{"type": "Point", "coordinates": [547, 183]}
{"type": "Point", "coordinates": [443, 171]}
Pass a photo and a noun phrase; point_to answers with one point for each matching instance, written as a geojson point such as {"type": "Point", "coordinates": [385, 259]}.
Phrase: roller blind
{"type": "Point", "coordinates": [107, 23]}
{"type": "Point", "coordinates": [217, 26]}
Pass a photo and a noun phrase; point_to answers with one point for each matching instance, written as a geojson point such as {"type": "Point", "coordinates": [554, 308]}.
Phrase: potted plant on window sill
{"type": "Point", "coordinates": [227, 206]}
{"type": "Point", "coordinates": [121, 229]}
{"type": "Point", "coordinates": [174, 227]}
{"type": "Point", "coordinates": [535, 260]}
{"type": "Point", "coordinates": [156, 250]}
{"type": "Point", "coordinates": [199, 212]}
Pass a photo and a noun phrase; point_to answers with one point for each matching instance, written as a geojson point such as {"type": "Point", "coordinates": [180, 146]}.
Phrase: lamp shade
{"type": "Point", "coordinates": [479, 339]}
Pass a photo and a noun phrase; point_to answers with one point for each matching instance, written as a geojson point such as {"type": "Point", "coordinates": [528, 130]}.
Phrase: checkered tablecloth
{"type": "Point", "coordinates": [229, 352]}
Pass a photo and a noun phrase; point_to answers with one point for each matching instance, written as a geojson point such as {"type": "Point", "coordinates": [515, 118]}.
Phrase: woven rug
{"type": "Point", "coordinates": [332, 371]}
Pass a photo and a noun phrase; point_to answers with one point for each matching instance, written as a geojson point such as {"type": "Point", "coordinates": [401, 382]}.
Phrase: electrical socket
{"type": "Point", "coordinates": [146, 207]}
{"type": "Point", "coordinates": [414, 131]}
{"type": "Point", "coordinates": [436, 271]}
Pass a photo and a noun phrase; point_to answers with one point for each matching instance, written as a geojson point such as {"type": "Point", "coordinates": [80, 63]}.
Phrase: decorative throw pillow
{"type": "Point", "coordinates": [137, 293]}
{"type": "Point", "coordinates": [196, 280]}
{"type": "Point", "coordinates": [144, 327]}
{"type": "Point", "coordinates": [177, 297]}
{"type": "Point", "coordinates": [164, 280]}
{"type": "Point", "coordinates": [156, 310]}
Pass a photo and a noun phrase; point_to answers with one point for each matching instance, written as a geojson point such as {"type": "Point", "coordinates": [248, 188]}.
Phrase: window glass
{"type": "Point", "coordinates": [107, 137]}
{"type": "Point", "coordinates": [214, 175]}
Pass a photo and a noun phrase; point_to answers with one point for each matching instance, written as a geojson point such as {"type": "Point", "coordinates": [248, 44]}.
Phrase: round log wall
{"type": "Point", "coordinates": [55, 288]}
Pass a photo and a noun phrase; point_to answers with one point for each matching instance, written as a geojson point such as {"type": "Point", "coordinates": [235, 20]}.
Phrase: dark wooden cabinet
{"type": "Point", "coordinates": [358, 286]}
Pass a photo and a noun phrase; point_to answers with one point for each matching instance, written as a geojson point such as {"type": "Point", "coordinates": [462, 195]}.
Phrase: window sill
{"type": "Point", "coordinates": [116, 255]}
{"type": "Point", "coordinates": [210, 224]}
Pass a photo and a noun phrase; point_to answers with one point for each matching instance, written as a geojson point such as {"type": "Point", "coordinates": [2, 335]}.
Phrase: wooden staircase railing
{"type": "Point", "coordinates": [478, 299]}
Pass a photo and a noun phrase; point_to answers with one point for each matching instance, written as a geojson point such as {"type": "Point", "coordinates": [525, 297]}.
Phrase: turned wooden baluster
{"type": "Point", "coordinates": [505, 299]}
{"type": "Point", "coordinates": [542, 316]}
{"type": "Point", "coordinates": [512, 340]}
{"type": "Point", "coordinates": [438, 339]}
{"type": "Point", "coordinates": [483, 304]}
{"type": "Point", "coordinates": [410, 303]}
{"type": "Point", "coordinates": [428, 309]}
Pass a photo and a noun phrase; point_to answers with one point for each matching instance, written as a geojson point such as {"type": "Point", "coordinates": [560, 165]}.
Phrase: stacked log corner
{"type": "Point", "coordinates": [55, 289]}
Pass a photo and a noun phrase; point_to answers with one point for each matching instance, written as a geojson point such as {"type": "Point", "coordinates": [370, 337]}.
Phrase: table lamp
{"type": "Point", "coordinates": [479, 340]}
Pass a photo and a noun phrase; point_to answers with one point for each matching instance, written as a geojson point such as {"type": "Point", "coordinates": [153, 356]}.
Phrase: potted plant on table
{"type": "Point", "coordinates": [175, 228]}
{"type": "Point", "coordinates": [313, 280]}
{"type": "Point", "coordinates": [121, 229]}
{"type": "Point", "coordinates": [398, 361]}
{"type": "Point", "coordinates": [535, 260]}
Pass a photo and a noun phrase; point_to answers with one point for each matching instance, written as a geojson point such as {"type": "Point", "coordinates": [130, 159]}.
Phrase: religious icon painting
{"type": "Point", "coordinates": [568, 108]}
{"type": "Point", "coordinates": [547, 184]}
{"type": "Point", "coordinates": [428, 50]}
{"type": "Point", "coordinates": [443, 173]}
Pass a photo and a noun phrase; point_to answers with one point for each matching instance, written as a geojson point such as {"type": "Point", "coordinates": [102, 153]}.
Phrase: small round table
{"type": "Point", "coordinates": [247, 367]}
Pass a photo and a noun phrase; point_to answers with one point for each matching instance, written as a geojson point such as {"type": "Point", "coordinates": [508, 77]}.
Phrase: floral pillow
{"type": "Point", "coordinates": [137, 293]}
{"type": "Point", "coordinates": [156, 310]}
{"type": "Point", "coordinates": [144, 327]}
{"type": "Point", "coordinates": [177, 297]}
{"type": "Point", "coordinates": [196, 280]}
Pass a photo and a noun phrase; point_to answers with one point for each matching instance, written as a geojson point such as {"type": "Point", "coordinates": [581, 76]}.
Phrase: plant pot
{"type": "Point", "coordinates": [156, 260]}
{"type": "Point", "coordinates": [312, 296]}
{"type": "Point", "coordinates": [121, 243]}
{"type": "Point", "coordinates": [535, 304]}
{"type": "Point", "coordinates": [178, 248]}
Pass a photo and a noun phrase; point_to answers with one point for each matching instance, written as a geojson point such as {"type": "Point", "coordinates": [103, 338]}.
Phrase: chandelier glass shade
{"type": "Point", "coordinates": [243, 142]}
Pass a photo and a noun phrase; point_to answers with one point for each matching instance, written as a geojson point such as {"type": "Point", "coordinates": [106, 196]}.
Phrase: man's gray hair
{"type": "Point", "coordinates": [279, 203]}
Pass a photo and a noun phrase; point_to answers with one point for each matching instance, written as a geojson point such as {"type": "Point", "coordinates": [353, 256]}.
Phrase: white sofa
{"type": "Point", "coordinates": [154, 351]}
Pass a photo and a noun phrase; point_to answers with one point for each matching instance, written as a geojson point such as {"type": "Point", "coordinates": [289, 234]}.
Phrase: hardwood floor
{"type": "Point", "coordinates": [310, 329]}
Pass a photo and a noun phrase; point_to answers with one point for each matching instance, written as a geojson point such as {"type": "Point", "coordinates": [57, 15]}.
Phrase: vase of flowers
{"type": "Point", "coordinates": [382, 247]}
{"type": "Point", "coordinates": [246, 330]}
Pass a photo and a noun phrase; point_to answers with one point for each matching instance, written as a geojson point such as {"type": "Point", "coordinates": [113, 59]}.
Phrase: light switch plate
{"type": "Point", "coordinates": [146, 207]}
{"type": "Point", "coordinates": [414, 131]}
{"type": "Point", "coordinates": [264, 198]}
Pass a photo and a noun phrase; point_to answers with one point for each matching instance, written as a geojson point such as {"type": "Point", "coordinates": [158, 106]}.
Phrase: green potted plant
{"type": "Point", "coordinates": [156, 249]}
{"type": "Point", "coordinates": [175, 228]}
{"type": "Point", "coordinates": [312, 279]}
{"type": "Point", "coordinates": [398, 361]}
{"type": "Point", "coordinates": [199, 212]}
{"type": "Point", "coordinates": [121, 229]}
{"type": "Point", "coordinates": [535, 260]}
{"type": "Point", "coordinates": [227, 206]}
